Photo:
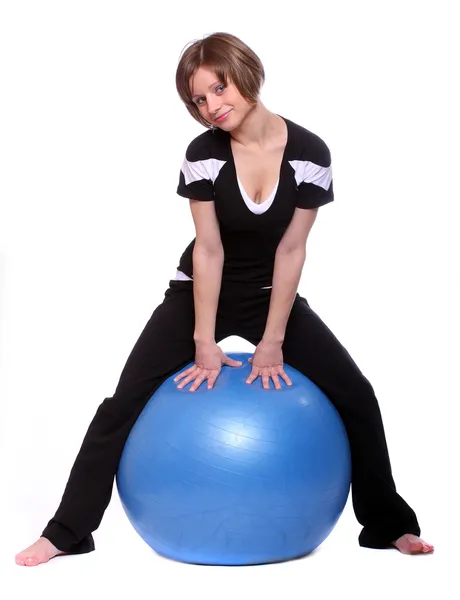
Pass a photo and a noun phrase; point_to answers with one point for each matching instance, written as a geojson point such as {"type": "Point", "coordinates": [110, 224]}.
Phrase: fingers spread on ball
{"type": "Point", "coordinates": [184, 373]}
{"type": "Point", "coordinates": [282, 373]}
{"type": "Point", "coordinates": [276, 381]}
{"type": "Point", "coordinates": [187, 380]}
{"type": "Point", "coordinates": [253, 375]}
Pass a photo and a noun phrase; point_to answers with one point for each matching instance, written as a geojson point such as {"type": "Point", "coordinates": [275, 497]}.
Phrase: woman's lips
{"type": "Point", "coordinates": [223, 117]}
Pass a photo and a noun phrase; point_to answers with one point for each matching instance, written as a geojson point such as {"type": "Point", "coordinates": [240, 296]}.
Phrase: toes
{"type": "Point", "coordinates": [420, 548]}
{"type": "Point", "coordinates": [412, 544]}
{"type": "Point", "coordinates": [27, 561]}
{"type": "Point", "coordinates": [426, 547]}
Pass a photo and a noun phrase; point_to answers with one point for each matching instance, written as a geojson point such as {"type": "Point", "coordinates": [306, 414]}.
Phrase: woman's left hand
{"type": "Point", "coordinates": [267, 362]}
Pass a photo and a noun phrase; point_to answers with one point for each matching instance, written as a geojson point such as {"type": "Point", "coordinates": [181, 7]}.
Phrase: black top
{"type": "Point", "coordinates": [251, 232]}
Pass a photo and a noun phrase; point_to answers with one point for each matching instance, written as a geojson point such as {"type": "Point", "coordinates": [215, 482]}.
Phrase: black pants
{"type": "Point", "coordinates": [166, 345]}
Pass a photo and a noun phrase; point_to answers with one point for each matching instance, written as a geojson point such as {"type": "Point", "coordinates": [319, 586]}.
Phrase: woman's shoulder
{"type": "Point", "coordinates": [204, 146]}
{"type": "Point", "coordinates": [306, 144]}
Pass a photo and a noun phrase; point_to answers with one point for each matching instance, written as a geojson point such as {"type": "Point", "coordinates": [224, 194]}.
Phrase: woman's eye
{"type": "Point", "coordinates": [219, 88]}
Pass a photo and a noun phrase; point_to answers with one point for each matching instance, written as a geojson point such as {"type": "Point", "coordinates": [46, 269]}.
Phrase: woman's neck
{"type": "Point", "coordinates": [258, 128]}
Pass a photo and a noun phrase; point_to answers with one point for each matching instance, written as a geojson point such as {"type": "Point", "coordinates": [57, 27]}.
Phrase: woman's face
{"type": "Point", "coordinates": [215, 100]}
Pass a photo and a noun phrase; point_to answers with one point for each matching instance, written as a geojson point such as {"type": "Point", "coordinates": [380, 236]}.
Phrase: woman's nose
{"type": "Point", "coordinates": [214, 105]}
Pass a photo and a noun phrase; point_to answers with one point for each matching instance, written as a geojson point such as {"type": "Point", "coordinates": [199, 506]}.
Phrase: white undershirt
{"type": "Point", "coordinates": [254, 207]}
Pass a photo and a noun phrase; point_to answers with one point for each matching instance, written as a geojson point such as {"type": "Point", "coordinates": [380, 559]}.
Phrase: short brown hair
{"type": "Point", "coordinates": [230, 58]}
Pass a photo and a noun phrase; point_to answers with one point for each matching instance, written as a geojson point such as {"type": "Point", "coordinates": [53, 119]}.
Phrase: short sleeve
{"type": "Point", "coordinates": [196, 180]}
{"type": "Point", "coordinates": [314, 176]}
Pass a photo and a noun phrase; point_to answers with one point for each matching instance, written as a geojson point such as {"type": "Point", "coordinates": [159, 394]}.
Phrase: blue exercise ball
{"type": "Point", "coordinates": [236, 475]}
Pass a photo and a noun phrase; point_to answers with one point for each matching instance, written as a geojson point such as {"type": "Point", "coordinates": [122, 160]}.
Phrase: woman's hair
{"type": "Point", "coordinates": [230, 58]}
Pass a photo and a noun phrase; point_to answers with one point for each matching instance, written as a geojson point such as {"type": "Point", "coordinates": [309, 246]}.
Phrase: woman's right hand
{"type": "Point", "coordinates": [209, 359]}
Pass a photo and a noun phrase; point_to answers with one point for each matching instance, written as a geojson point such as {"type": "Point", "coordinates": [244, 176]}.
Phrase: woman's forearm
{"type": "Point", "coordinates": [207, 278]}
{"type": "Point", "coordinates": [286, 277]}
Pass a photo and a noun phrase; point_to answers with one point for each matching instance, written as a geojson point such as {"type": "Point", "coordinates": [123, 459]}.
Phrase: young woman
{"type": "Point", "coordinates": [255, 181]}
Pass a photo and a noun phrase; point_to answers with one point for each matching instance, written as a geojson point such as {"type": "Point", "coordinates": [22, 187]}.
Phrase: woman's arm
{"type": "Point", "coordinates": [208, 260]}
{"type": "Point", "coordinates": [289, 261]}
{"type": "Point", "coordinates": [267, 361]}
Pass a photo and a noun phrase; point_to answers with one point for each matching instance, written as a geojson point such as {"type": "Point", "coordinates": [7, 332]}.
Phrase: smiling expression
{"type": "Point", "coordinates": [221, 105]}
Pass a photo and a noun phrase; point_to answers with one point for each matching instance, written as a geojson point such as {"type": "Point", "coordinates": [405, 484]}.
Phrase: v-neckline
{"type": "Point", "coordinates": [283, 159]}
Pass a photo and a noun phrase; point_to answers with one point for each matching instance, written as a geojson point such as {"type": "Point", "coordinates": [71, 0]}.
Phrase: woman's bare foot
{"type": "Point", "coordinates": [40, 552]}
{"type": "Point", "coordinates": [412, 544]}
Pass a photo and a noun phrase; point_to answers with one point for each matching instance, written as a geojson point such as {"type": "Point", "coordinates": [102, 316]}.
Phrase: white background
{"type": "Point", "coordinates": [92, 138]}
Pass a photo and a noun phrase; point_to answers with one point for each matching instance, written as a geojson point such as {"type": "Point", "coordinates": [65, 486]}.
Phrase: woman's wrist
{"type": "Point", "coordinates": [203, 340]}
{"type": "Point", "coordinates": [272, 339]}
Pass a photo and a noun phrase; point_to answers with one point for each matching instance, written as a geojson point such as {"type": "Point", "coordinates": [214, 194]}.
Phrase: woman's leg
{"type": "Point", "coordinates": [165, 346]}
{"type": "Point", "coordinates": [310, 347]}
